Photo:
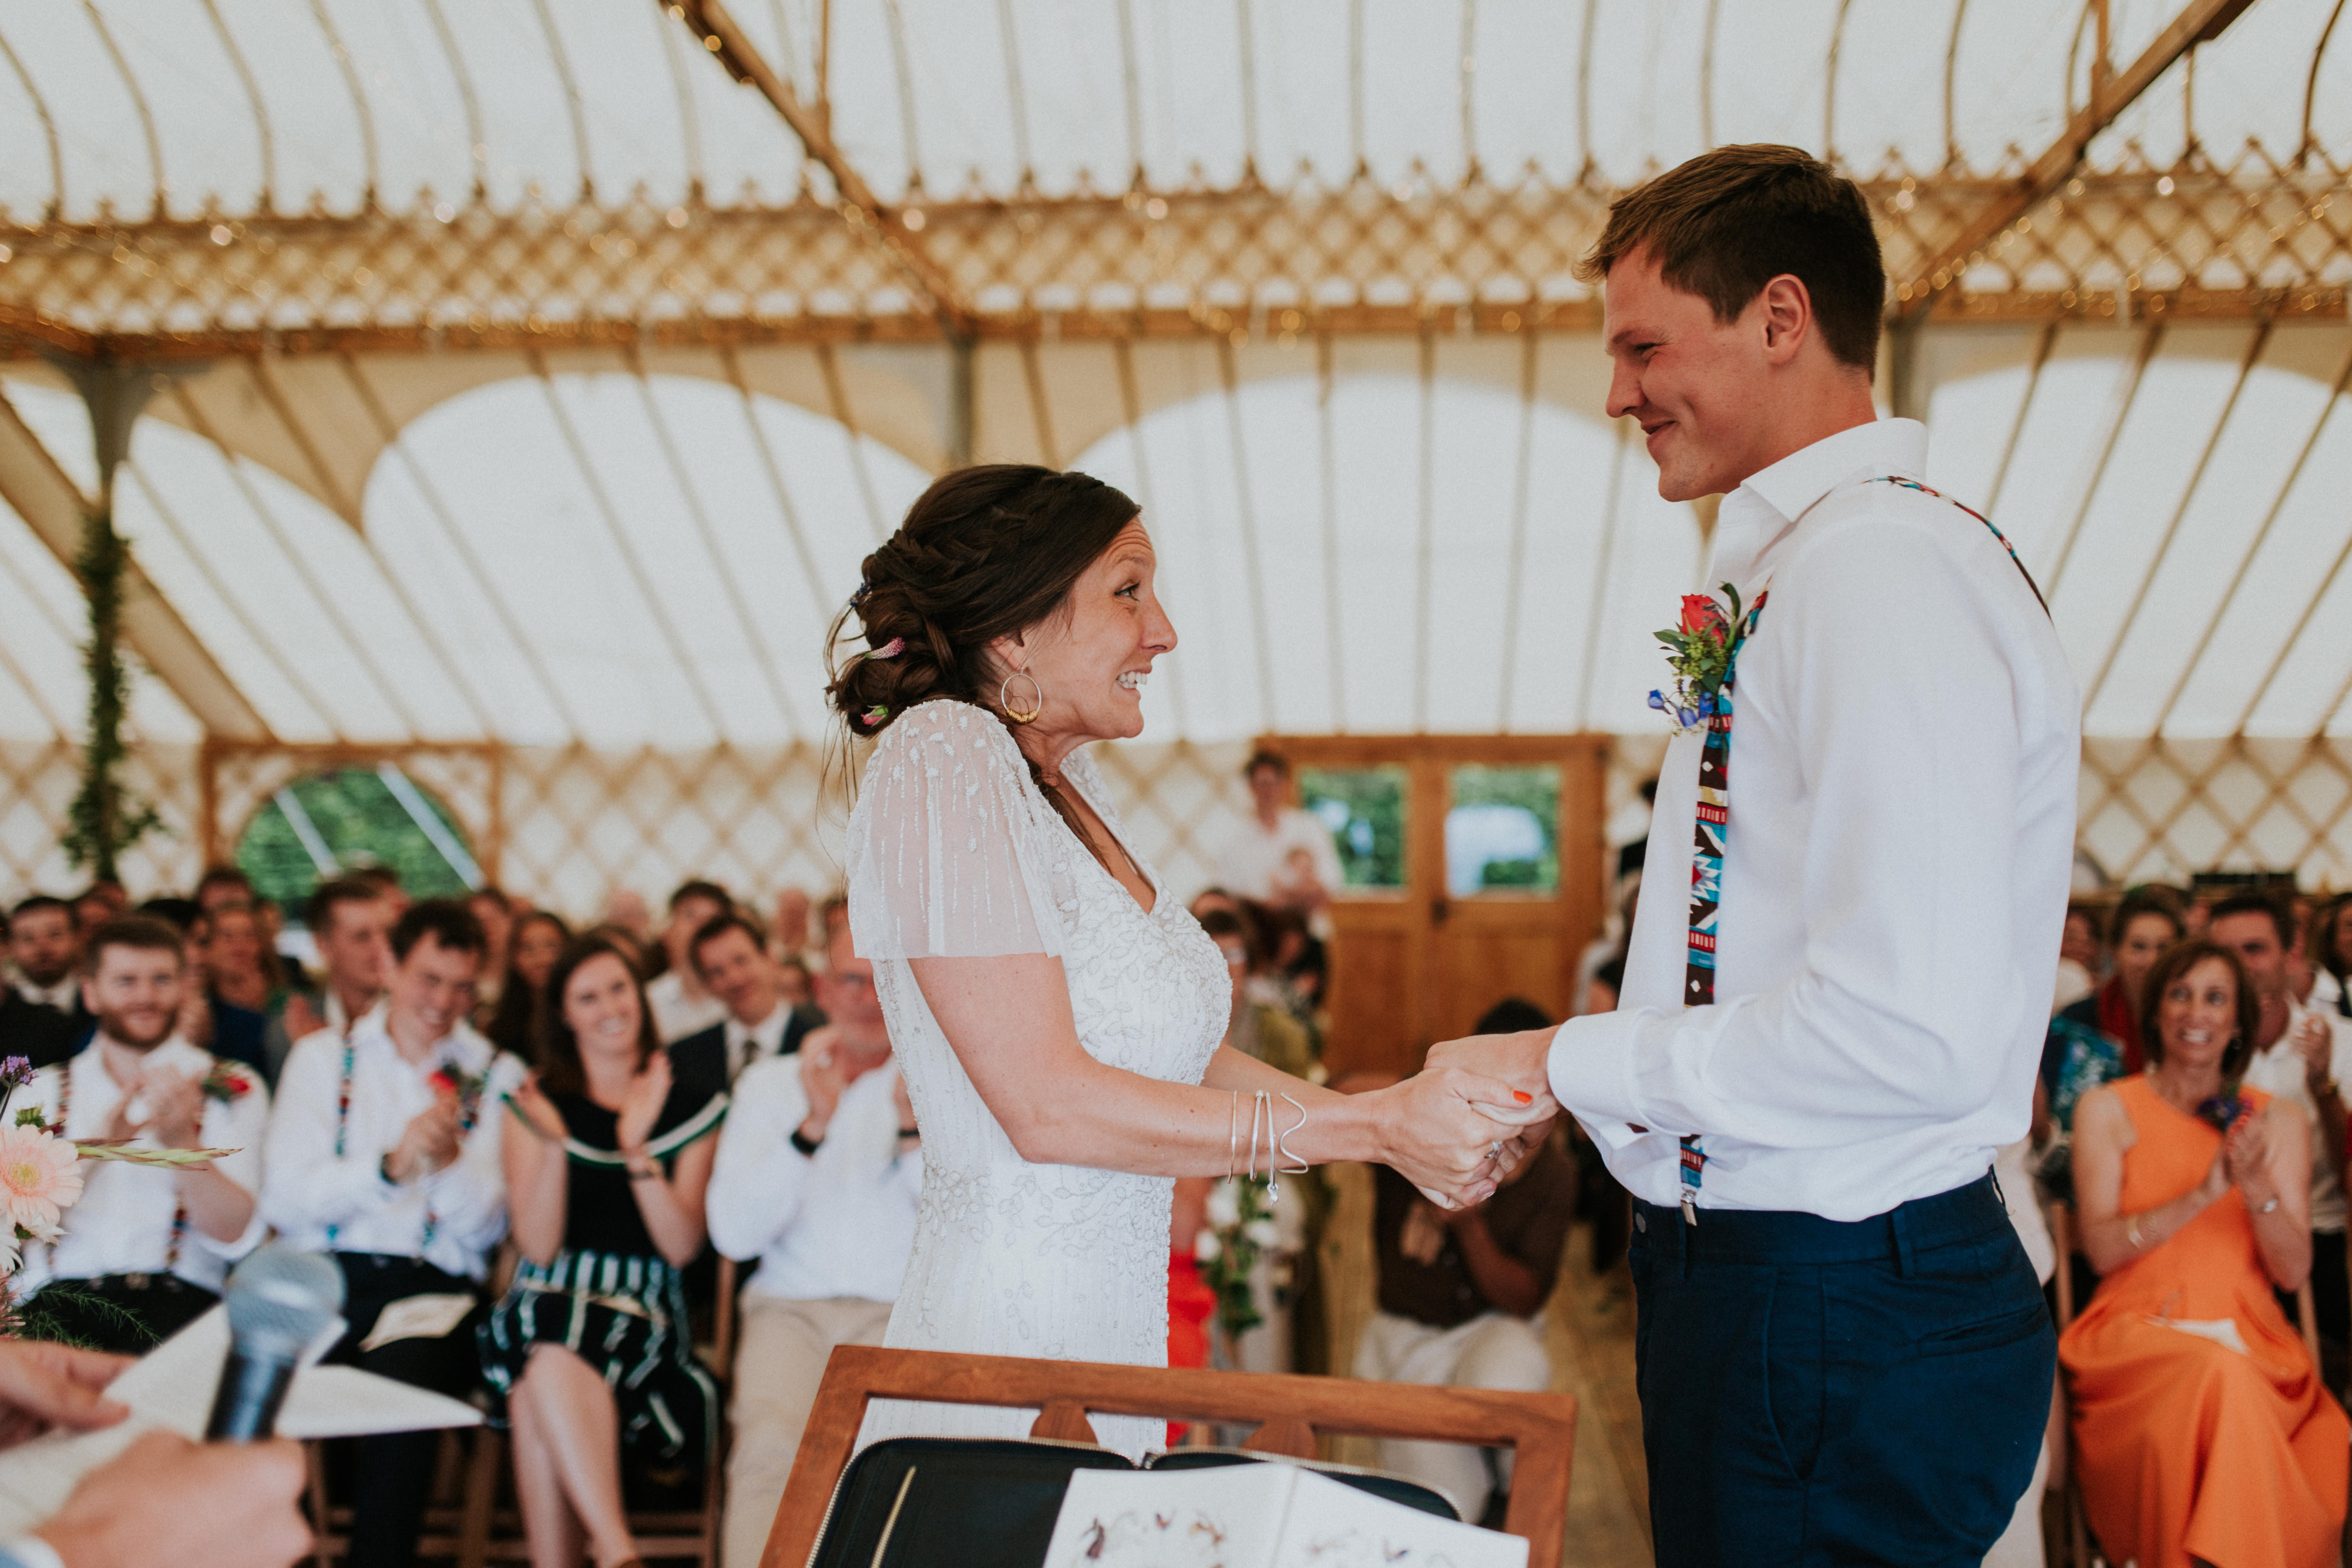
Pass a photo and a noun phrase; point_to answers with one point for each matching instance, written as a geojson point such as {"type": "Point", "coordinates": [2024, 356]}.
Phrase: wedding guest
{"type": "Point", "coordinates": [626, 909]}
{"type": "Point", "coordinates": [43, 948]}
{"type": "Point", "coordinates": [2203, 1433]}
{"type": "Point", "coordinates": [100, 901]}
{"type": "Point", "coordinates": [1212, 898]}
{"type": "Point", "coordinates": [386, 883]}
{"type": "Point", "coordinates": [818, 1178]}
{"type": "Point", "coordinates": [163, 1499]}
{"type": "Point", "coordinates": [681, 1005]}
{"type": "Point", "coordinates": [33, 1023]}
{"type": "Point", "coordinates": [735, 967]}
{"type": "Point", "coordinates": [497, 914]}
{"type": "Point", "coordinates": [1460, 1293]}
{"type": "Point", "coordinates": [2079, 958]}
{"type": "Point", "coordinates": [221, 886]}
{"type": "Point", "coordinates": [383, 1151]}
{"type": "Point", "coordinates": [2299, 1057]}
{"type": "Point", "coordinates": [790, 935]}
{"type": "Point", "coordinates": [2331, 956]}
{"type": "Point", "coordinates": [349, 922]}
{"type": "Point", "coordinates": [1258, 1028]}
{"type": "Point", "coordinates": [2097, 1038]}
{"type": "Point", "coordinates": [590, 1352]}
{"type": "Point", "coordinates": [239, 982]}
{"type": "Point", "coordinates": [145, 1248]}
{"type": "Point", "coordinates": [533, 944]}
{"type": "Point", "coordinates": [1256, 860]}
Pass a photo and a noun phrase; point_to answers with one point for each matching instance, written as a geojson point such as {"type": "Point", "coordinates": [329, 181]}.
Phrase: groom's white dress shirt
{"type": "Point", "coordinates": [1904, 745]}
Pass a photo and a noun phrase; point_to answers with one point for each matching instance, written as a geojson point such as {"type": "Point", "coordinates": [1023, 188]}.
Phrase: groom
{"type": "Point", "coordinates": [1837, 989]}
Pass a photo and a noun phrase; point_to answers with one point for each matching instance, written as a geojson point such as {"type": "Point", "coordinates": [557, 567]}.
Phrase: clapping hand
{"type": "Point", "coordinates": [641, 1107]}
{"type": "Point", "coordinates": [428, 1143]}
{"type": "Point", "coordinates": [821, 1081]}
{"type": "Point", "coordinates": [538, 1112]}
{"type": "Point", "coordinates": [2246, 1158]}
{"type": "Point", "coordinates": [2314, 1042]}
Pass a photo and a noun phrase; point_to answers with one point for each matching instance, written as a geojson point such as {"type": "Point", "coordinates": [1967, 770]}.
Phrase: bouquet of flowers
{"type": "Point", "coordinates": [40, 1178]}
{"type": "Point", "coordinates": [1241, 1226]}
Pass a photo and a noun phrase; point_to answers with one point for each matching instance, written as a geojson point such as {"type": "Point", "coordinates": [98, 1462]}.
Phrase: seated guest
{"type": "Point", "coordinates": [1459, 1289]}
{"type": "Point", "coordinates": [590, 1350]}
{"type": "Point", "coordinates": [818, 1178]}
{"type": "Point", "coordinates": [2201, 1431]}
{"type": "Point", "coordinates": [535, 942]}
{"type": "Point", "coordinates": [145, 1248]}
{"type": "Point", "coordinates": [736, 967]}
{"type": "Point", "coordinates": [497, 914]}
{"type": "Point", "coordinates": [41, 1016]}
{"type": "Point", "coordinates": [240, 981]}
{"type": "Point", "coordinates": [2080, 958]}
{"type": "Point", "coordinates": [1257, 1026]}
{"type": "Point", "coordinates": [2096, 1039]}
{"type": "Point", "coordinates": [681, 1007]}
{"type": "Point", "coordinates": [349, 921]}
{"type": "Point", "coordinates": [383, 1151]}
{"type": "Point", "coordinates": [2298, 1058]}
{"type": "Point", "coordinates": [386, 883]}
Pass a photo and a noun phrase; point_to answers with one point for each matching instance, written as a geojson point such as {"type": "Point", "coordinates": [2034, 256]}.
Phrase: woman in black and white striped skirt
{"type": "Point", "coordinates": [590, 1348]}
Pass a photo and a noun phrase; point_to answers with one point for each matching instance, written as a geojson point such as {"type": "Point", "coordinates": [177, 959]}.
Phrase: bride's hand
{"type": "Point", "coordinates": [1449, 1132]}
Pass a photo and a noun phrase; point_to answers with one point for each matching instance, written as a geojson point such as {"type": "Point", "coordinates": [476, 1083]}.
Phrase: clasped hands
{"type": "Point", "coordinates": [1477, 1108]}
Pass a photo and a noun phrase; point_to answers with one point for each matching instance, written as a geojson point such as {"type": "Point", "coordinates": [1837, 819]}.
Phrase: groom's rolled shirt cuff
{"type": "Point", "coordinates": [1590, 1065]}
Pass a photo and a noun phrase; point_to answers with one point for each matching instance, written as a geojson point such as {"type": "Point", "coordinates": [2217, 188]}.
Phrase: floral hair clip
{"type": "Point", "coordinates": [874, 715]}
{"type": "Point", "coordinates": [890, 650]}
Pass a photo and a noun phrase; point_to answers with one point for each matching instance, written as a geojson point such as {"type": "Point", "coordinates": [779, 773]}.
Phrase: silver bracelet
{"type": "Point", "coordinates": [1282, 1141]}
{"type": "Point", "coordinates": [1233, 1134]}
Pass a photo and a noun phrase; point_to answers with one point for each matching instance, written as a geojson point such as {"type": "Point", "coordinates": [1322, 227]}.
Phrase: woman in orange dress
{"type": "Point", "coordinates": [2203, 1433]}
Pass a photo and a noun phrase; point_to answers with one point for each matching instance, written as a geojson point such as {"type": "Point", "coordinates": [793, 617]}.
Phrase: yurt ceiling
{"type": "Point", "coordinates": [538, 371]}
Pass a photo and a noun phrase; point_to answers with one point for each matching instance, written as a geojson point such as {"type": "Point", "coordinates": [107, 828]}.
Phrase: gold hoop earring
{"type": "Point", "coordinates": [1035, 707]}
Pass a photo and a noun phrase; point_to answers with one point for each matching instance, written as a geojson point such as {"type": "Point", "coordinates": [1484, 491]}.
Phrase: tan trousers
{"type": "Point", "coordinates": [779, 1362]}
{"type": "Point", "coordinates": [1493, 1349]}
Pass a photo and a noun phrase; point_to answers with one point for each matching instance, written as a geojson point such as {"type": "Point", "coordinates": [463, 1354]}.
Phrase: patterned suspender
{"type": "Point", "coordinates": [180, 1208]}
{"type": "Point", "coordinates": [1711, 834]}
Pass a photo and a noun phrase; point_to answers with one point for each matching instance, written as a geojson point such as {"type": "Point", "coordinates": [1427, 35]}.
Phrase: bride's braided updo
{"type": "Point", "coordinates": [985, 553]}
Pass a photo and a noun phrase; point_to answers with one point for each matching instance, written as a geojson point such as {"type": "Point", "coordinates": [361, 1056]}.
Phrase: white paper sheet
{"type": "Point", "coordinates": [172, 1386]}
{"type": "Point", "coordinates": [418, 1318]}
{"type": "Point", "coordinates": [1261, 1515]}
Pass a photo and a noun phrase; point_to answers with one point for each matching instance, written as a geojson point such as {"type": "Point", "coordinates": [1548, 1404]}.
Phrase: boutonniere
{"type": "Point", "coordinates": [452, 1079]}
{"type": "Point", "coordinates": [2221, 1111]}
{"type": "Point", "coordinates": [227, 1082]}
{"type": "Point", "coordinates": [1699, 651]}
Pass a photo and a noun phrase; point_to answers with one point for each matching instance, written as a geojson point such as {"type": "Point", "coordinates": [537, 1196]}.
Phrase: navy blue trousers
{"type": "Point", "coordinates": [1817, 1393]}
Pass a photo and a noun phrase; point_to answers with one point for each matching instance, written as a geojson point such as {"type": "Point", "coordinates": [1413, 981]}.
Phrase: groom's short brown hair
{"type": "Point", "coordinates": [1728, 222]}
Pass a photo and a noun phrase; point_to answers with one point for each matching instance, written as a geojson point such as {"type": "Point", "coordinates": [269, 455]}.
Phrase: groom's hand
{"type": "Point", "coordinates": [1523, 1060]}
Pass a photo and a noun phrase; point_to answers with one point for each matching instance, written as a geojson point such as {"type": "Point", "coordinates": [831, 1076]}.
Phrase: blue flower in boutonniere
{"type": "Point", "coordinates": [2223, 1111]}
{"type": "Point", "coordinates": [1699, 651]}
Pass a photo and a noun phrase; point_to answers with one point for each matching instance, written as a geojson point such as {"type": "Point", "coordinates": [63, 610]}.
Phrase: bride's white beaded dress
{"type": "Point", "coordinates": [953, 852]}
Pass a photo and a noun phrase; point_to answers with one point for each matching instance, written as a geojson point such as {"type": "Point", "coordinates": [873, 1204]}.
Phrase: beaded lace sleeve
{"type": "Point", "coordinates": [945, 855]}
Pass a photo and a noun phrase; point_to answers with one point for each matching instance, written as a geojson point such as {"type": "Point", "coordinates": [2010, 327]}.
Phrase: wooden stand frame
{"type": "Point", "coordinates": [1290, 1412]}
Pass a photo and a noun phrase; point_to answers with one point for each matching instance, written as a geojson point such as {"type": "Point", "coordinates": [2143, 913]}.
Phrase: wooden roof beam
{"type": "Point", "coordinates": [2199, 22]}
{"type": "Point", "coordinates": [860, 207]}
{"type": "Point", "coordinates": [53, 506]}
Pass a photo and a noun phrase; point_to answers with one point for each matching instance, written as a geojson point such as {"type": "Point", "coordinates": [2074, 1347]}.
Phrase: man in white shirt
{"type": "Point", "coordinates": [760, 1022]}
{"type": "Point", "coordinates": [384, 1152]}
{"type": "Point", "coordinates": [2300, 1055]}
{"type": "Point", "coordinates": [818, 1175]}
{"type": "Point", "coordinates": [145, 1248]}
{"type": "Point", "coordinates": [681, 1007]}
{"type": "Point", "coordinates": [1834, 1010]}
{"type": "Point", "coordinates": [350, 922]}
{"type": "Point", "coordinates": [1280, 855]}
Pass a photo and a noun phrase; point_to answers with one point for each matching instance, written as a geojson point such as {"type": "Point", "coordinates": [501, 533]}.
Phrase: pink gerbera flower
{"type": "Point", "coordinates": [37, 1178]}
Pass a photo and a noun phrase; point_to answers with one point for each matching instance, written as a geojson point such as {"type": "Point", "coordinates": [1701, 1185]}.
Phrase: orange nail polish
{"type": "Point", "coordinates": [1524, 1097]}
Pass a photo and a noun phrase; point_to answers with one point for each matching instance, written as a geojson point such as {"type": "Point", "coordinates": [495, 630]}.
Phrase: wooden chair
{"type": "Point", "coordinates": [1289, 1412]}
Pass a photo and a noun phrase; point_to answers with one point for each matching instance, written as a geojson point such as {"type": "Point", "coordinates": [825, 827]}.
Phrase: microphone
{"type": "Point", "coordinates": [279, 1301]}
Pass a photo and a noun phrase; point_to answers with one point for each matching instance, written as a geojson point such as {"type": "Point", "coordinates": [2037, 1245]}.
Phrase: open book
{"type": "Point", "coordinates": [1256, 1516]}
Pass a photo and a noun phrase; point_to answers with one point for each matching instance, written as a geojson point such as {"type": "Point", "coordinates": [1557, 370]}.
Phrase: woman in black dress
{"type": "Point", "coordinates": [590, 1349]}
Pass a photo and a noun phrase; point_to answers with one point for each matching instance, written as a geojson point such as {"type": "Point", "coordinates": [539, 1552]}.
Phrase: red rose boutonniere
{"type": "Point", "coordinates": [226, 1082]}
{"type": "Point", "coordinates": [1700, 649]}
{"type": "Point", "coordinates": [455, 1082]}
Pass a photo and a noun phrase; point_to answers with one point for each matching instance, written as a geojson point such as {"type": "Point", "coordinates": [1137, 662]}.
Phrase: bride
{"type": "Point", "coordinates": [1055, 1012]}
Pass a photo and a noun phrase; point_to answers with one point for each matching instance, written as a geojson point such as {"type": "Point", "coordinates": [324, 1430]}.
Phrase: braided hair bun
{"type": "Point", "coordinates": [987, 552]}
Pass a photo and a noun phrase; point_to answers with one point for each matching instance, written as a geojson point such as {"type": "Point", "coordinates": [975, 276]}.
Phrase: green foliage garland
{"type": "Point", "coordinates": [105, 818]}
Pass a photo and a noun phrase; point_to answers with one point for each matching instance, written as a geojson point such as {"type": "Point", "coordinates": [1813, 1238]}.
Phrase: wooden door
{"type": "Point", "coordinates": [1476, 866]}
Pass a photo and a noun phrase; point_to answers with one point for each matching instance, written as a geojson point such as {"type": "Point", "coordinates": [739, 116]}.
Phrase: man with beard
{"type": "Point", "coordinates": [145, 1250]}
{"type": "Point", "coordinates": [39, 1006]}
